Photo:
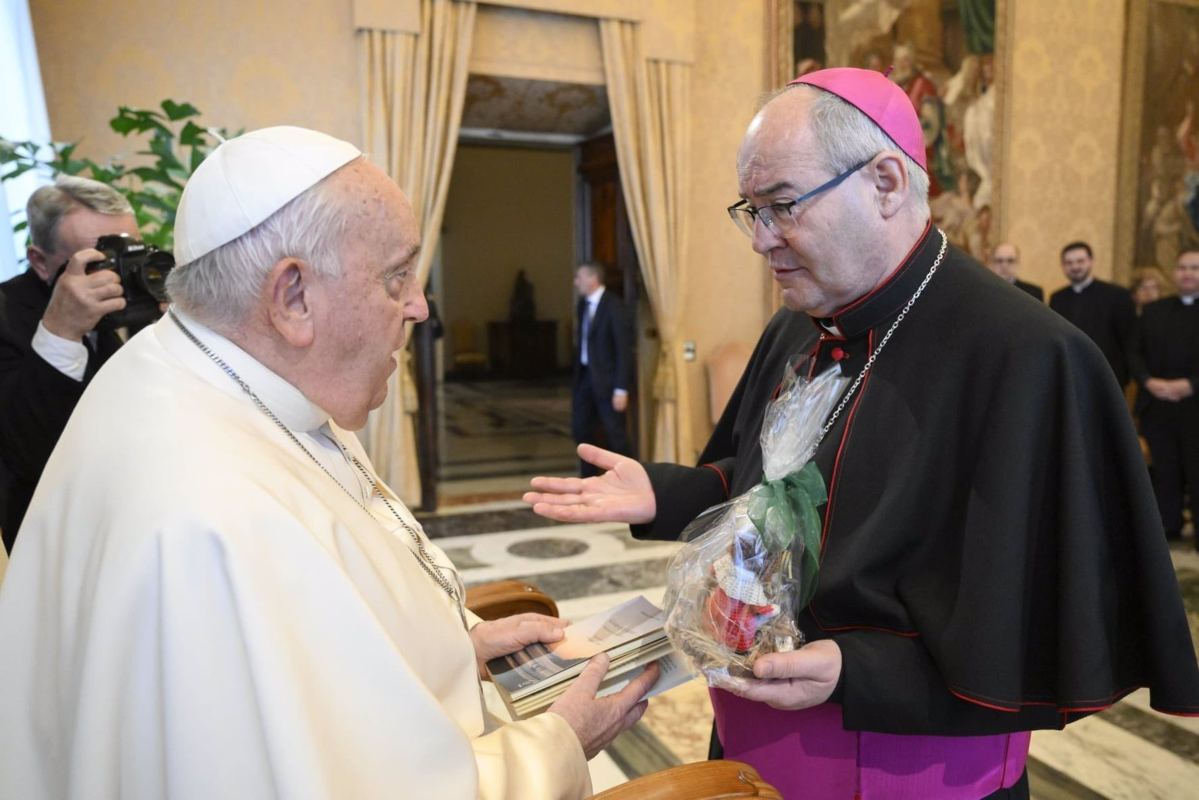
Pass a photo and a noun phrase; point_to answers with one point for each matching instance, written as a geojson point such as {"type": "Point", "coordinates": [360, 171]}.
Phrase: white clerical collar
{"type": "Point", "coordinates": [1188, 299]}
{"type": "Point", "coordinates": [595, 296]}
{"type": "Point", "coordinates": [285, 401]}
{"type": "Point", "coordinates": [1081, 285]}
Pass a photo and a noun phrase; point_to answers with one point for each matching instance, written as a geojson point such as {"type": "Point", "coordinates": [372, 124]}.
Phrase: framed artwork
{"type": "Point", "coordinates": [947, 57]}
{"type": "Point", "coordinates": [1158, 214]}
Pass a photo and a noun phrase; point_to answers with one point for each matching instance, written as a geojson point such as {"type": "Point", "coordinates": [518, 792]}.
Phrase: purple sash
{"type": "Point", "coordinates": [808, 754]}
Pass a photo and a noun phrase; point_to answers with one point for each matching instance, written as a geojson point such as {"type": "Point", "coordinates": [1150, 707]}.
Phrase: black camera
{"type": "Point", "coordinates": [143, 271]}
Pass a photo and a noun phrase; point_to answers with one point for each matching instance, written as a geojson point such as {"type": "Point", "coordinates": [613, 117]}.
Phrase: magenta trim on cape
{"type": "Point", "coordinates": [808, 754]}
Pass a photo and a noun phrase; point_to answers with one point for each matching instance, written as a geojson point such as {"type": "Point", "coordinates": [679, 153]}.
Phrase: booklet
{"type": "Point", "coordinates": [632, 635]}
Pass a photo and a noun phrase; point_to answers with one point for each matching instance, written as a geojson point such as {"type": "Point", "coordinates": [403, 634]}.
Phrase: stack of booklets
{"type": "Point", "coordinates": [530, 680]}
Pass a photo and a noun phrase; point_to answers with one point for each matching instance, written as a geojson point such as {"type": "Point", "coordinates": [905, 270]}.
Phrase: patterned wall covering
{"type": "Point", "coordinates": [515, 104]}
{"type": "Point", "coordinates": [1063, 118]}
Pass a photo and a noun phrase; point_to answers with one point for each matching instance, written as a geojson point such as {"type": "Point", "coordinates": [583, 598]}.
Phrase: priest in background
{"type": "Point", "coordinates": [1103, 311]}
{"type": "Point", "coordinates": [213, 595]}
{"type": "Point", "coordinates": [1005, 262]}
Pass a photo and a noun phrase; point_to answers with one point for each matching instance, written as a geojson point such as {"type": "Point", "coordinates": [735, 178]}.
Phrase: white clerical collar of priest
{"type": "Point", "coordinates": [829, 326]}
{"type": "Point", "coordinates": [1081, 285]}
{"type": "Point", "coordinates": [1188, 299]}
{"type": "Point", "coordinates": [287, 402]}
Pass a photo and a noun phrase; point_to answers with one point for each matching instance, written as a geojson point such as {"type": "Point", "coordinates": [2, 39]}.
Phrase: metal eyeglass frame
{"type": "Point", "coordinates": [744, 215]}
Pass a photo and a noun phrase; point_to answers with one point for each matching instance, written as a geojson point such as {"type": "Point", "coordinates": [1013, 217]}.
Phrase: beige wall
{"type": "Point", "coordinates": [247, 65]}
{"type": "Point", "coordinates": [725, 296]}
{"type": "Point", "coordinates": [1059, 179]}
{"type": "Point", "coordinates": [508, 209]}
{"type": "Point", "coordinates": [243, 64]}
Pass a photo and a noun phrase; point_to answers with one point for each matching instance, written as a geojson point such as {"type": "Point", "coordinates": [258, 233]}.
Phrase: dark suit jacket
{"type": "Point", "coordinates": [1106, 313]}
{"type": "Point", "coordinates": [1031, 288]}
{"type": "Point", "coordinates": [1166, 345]}
{"type": "Point", "coordinates": [35, 399]}
{"type": "Point", "coordinates": [609, 357]}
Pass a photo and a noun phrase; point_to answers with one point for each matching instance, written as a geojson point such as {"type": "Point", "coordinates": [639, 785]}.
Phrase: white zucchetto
{"type": "Point", "coordinates": [247, 179]}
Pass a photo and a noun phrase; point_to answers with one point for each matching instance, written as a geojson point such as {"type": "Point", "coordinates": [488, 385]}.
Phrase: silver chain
{"type": "Point", "coordinates": [828, 426]}
{"type": "Point", "coordinates": [424, 559]}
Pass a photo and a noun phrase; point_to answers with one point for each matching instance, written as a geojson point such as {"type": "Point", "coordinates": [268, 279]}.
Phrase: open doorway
{"type": "Point", "coordinates": [529, 200]}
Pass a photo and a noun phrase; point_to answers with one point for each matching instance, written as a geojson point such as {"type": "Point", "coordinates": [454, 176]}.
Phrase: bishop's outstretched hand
{"type": "Point", "coordinates": [622, 493]}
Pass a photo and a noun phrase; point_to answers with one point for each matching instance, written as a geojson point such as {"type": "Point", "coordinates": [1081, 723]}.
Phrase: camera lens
{"type": "Point", "coordinates": [154, 274]}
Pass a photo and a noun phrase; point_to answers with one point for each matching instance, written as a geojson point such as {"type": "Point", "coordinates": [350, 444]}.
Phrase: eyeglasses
{"type": "Point", "coordinates": [780, 217]}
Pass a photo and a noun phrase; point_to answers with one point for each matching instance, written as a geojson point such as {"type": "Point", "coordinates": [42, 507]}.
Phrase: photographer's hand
{"type": "Point", "coordinates": [80, 299]}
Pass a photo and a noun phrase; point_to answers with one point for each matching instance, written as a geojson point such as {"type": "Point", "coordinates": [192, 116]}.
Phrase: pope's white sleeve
{"type": "Point", "coordinates": [536, 758]}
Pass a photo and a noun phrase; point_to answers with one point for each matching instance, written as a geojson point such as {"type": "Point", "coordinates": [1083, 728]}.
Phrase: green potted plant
{"type": "Point", "coordinates": [175, 146]}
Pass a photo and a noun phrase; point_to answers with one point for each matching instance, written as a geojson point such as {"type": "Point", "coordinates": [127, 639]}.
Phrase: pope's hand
{"type": "Point", "coordinates": [621, 494]}
{"type": "Point", "coordinates": [800, 679]}
{"type": "Point", "coordinates": [510, 634]}
{"type": "Point", "coordinates": [597, 721]}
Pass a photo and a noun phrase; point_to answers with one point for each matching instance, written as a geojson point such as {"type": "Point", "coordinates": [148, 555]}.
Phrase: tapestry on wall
{"type": "Point", "coordinates": [942, 52]}
{"type": "Point", "coordinates": [1168, 185]}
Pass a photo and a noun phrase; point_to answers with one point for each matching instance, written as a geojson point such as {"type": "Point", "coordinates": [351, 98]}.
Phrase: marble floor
{"type": "Point", "coordinates": [501, 427]}
{"type": "Point", "coordinates": [1128, 752]}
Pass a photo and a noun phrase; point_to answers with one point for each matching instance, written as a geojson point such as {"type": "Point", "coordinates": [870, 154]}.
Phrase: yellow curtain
{"type": "Point", "coordinates": [650, 101]}
{"type": "Point", "coordinates": [413, 89]}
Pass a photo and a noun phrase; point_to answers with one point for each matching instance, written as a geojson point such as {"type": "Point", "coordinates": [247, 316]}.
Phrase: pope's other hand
{"type": "Point", "coordinates": [597, 721]}
{"type": "Point", "coordinates": [500, 637]}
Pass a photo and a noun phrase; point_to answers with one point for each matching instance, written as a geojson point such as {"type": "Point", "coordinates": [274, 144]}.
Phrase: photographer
{"type": "Point", "coordinates": [49, 345]}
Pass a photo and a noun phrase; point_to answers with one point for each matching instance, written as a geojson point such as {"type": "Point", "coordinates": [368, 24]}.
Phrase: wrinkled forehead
{"type": "Point", "coordinates": [779, 146]}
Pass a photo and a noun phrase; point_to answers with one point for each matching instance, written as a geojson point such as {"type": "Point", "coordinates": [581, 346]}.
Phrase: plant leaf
{"type": "Point", "coordinates": [191, 135]}
{"type": "Point", "coordinates": [176, 111]}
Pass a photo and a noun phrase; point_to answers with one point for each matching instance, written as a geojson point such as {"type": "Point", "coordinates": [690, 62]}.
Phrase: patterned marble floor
{"type": "Point", "coordinates": [490, 428]}
{"type": "Point", "coordinates": [1129, 751]}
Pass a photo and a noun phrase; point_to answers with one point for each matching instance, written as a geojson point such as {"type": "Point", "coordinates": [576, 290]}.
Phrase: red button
{"type": "Point", "coordinates": [838, 354]}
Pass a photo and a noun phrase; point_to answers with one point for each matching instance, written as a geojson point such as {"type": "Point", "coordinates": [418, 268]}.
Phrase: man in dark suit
{"type": "Point", "coordinates": [49, 348]}
{"type": "Point", "coordinates": [1165, 363]}
{"type": "Point", "coordinates": [1103, 311]}
{"type": "Point", "coordinates": [1005, 262]}
{"type": "Point", "coordinates": [603, 365]}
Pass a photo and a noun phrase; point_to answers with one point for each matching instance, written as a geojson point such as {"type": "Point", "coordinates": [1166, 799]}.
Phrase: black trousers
{"type": "Point", "coordinates": [1172, 431]}
{"type": "Point", "coordinates": [590, 411]}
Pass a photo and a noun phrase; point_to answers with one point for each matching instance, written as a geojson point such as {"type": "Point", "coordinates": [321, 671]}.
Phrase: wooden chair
{"type": "Point", "coordinates": [504, 598]}
{"type": "Point", "coordinates": [706, 780]}
{"type": "Point", "coordinates": [725, 366]}
{"type": "Point", "coordinates": [468, 358]}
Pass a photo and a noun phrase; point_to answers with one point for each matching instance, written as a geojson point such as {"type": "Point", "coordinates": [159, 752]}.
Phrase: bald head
{"type": "Point", "coordinates": [1005, 261]}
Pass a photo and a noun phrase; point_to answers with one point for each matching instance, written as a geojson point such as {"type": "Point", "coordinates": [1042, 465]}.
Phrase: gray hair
{"type": "Point", "coordinates": [221, 286]}
{"type": "Point", "coordinates": [848, 137]}
{"type": "Point", "coordinates": [49, 204]}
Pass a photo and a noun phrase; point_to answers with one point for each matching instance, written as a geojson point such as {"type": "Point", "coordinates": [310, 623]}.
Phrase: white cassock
{"type": "Point", "coordinates": [194, 609]}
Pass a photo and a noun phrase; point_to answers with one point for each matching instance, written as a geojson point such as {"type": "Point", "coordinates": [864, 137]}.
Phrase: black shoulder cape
{"type": "Point", "coordinates": [993, 559]}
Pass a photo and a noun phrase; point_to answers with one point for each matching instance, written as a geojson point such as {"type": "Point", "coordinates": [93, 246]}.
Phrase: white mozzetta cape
{"type": "Point", "coordinates": [195, 610]}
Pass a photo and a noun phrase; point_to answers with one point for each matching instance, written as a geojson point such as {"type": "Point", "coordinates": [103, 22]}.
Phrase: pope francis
{"type": "Point", "coordinates": [212, 595]}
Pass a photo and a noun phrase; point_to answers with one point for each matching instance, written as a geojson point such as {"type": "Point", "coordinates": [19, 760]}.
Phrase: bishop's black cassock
{"type": "Point", "coordinates": [1166, 345]}
{"type": "Point", "coordinates": [1106, 313]}
{"type": "Point", "coordinates": [992, 556]}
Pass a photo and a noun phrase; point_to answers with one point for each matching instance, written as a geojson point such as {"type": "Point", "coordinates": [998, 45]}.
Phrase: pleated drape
{"type": "Point", "coordinates": [413, 90]}
{"type": "Point", "coordinates": [650, 102]}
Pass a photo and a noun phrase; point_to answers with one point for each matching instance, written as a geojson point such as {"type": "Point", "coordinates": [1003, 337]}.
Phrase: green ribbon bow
{"type": "Point", "coordinates": [781, 508]}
